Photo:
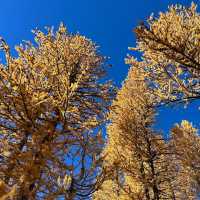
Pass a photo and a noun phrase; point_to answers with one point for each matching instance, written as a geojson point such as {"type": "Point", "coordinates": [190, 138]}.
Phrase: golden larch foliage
{"type": "Point", "coordinates": [51, 103]}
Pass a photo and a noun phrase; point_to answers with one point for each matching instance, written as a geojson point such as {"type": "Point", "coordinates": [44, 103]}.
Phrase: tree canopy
{"type": "Point", "coordinates": [147, 165]}
{"type": "Point", "coordinates": [51, 105]}
{"type": "Point", "coordinates": [54, 103]}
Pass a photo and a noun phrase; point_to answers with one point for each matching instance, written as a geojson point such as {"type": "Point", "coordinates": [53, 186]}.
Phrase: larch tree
{"type": "Point", "coordinates": [145, 166]}
{"type": "Point", "coordinates": [170, 46]}
{"type": "Point", "coordinates": [52, 104]}
{"type": "Point", "coordinates": [185, 142]}
{"type": "Point", "coordinates": [138, 155]}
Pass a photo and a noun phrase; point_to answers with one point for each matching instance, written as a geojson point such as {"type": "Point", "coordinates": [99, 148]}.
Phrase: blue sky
{"type": "Point", "coordinates": [109, 23]}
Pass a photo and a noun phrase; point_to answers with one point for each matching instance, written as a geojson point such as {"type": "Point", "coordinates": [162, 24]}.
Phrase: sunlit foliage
{"type": "Point", "coordinates": [170, 45]}
{"type": "Point", "coordinates": [51, 103]}
{"type": "Point", "coordinates": [137, 154]}
{"type": "Point", "coordinates": [145, 165]}
{"type": "Point", "coordinates": [186, 145]}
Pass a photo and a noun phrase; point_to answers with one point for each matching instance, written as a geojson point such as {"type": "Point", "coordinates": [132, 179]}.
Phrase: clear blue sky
{"type": "Point", "coordinates": [107, 22]}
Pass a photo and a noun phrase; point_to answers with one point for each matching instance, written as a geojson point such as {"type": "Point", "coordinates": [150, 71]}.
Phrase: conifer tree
{"type": "Point", "coordinates": [170, 46]}
{"type": "Point", "coordinates": [150, 167]}
{"type": "Point", "coordinates": [51, 105]}
{"type": "Point", "coordinates": [170, 49]}
{"type": "Point", "coordinates": [137, 154]}
{"type": "Point", "coordinates": [185, 142]}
